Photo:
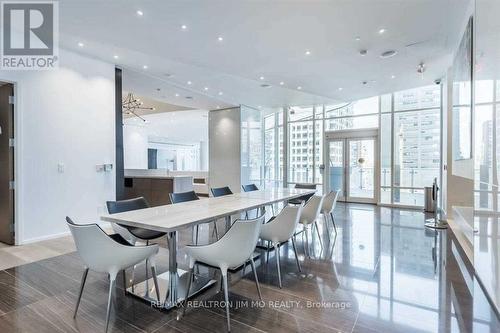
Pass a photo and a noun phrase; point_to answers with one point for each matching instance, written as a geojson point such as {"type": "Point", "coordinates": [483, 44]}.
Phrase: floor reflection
{"type": "Point", "coordinates": [413, 279]}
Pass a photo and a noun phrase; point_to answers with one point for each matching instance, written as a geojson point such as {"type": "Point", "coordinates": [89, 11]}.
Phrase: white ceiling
{"type": "Point", "coordinates": [269, 39]}
{"type": "Point", "coordinates": [148, 103]}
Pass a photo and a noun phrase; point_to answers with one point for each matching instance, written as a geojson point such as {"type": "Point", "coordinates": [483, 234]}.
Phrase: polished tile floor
{"type": "Point", "coordinates": [383, 272]}
{"type": "Point", "coordinates": [11, 256]}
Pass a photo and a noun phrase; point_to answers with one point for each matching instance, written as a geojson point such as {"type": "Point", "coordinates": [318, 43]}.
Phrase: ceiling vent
{"type": "Point", "coordinates": [265, 85]}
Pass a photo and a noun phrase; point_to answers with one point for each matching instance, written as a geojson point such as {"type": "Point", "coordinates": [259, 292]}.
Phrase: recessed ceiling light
{"type": "Point", "coordinates": [115, 56]}
{"type": "Point", "coordinates": [393, 76]}
{"type": "Point", "coordinates": [218, 107]}
{"type": "Point", "coordinates": [176, 95]}
{"type": "Point", "coordinates": [184, 27]}
{"type": "Point", "coordinates": [261, 78]}
{"type": "Point", "coordinates": [308, 52]}
{"type": "Point", "coordinates": [189, 83]}
{"type": "Point", "coordinates": [340, 89]}
{"type": "Point", "coordinates": [282, 83]}
{"type": "Point", "coordinates": [220, 38]}
{"type": "Point", "coordinates": [381, 31]}
{"type": "Point", "coordinates": [206, 88]}
{"type": "Point", "coordinates": [357, 38]}
{"type": "Point", "coordinates": [145, 66]}
{"type": "Point", "coordinates": [139, 12]}
{"type": "Point", "coordinates": [81, 44]}
{"type": "Point", "coordinates": [299, 88]}
{"type": "Point", "coordinates": [220, 93]}
{"type": "Point", "coordinates": [388, 54]}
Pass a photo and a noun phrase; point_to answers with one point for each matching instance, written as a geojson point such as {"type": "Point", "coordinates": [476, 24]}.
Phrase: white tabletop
{"type": "Point", "coordinates": [174, 217]}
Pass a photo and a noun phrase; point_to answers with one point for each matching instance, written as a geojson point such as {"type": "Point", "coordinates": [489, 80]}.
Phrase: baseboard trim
{"type": "Point", "coordinates": [104, 225]}
{"type": "Point", "coordinates": [43, 238]}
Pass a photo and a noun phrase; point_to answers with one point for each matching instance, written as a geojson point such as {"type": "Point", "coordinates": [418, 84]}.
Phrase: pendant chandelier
{"type": "Point", "coordinates": [132, 104]}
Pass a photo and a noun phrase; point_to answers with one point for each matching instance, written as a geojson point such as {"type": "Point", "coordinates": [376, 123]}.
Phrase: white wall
{"type": "Point", "coordinates": [181, 127]}
{"type": "Point", "coordinates": [224, 133]}
{"type": "Point", "coordinates": [62, 116]}
{"type": "Point", "coordinates": [135, 146]}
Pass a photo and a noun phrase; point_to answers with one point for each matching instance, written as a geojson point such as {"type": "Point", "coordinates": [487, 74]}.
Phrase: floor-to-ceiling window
{"type": "Point", "coordinates": [409, 125]}
{"type": "Point", "coordinates": [410, 144]}
{"type": "Point", "coordinates": [303, 145]}
{"type": "Point", "coordinates": [273, 148]}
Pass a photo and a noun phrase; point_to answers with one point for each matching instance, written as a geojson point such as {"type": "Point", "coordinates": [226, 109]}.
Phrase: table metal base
{"type": "Point", "coordinates": [146, 290]}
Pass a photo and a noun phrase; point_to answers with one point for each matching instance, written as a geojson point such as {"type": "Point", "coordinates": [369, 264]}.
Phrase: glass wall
{"type": "Point", "coordinates": [412, 120]}
{"type": "Point", "coordinates": [410, 133]}
{"type": "Point", "coordinates": [486, 136]}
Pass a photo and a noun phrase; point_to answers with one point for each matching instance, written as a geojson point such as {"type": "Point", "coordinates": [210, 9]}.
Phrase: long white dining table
{"type": "Point", "coordinates": [173, 218]}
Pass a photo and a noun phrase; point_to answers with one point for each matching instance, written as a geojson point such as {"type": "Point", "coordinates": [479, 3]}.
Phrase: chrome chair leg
{"type": "Point", "coordinates": [277, 249]}
{"type": "Point", "coordinates": [226, 297]}
{"type": "Point", "coordinates": [124, 282]}
{"type": "Point", "coordinates": [197, 233]}
{"type": "Point", "coordinates": [333, 221]}
{"type": "Point", "coordinates": [317, 231]}
{"type": "Point", "coordinates": [325, 218]}
{"type": "Point", "coordinates": [306, 246]}
{"type": "Point", "coordinates": [133, 278]}
{"type": "Point", "coordinates": [84, 279]}
{"type": "Point", "coordinates": [255, 277]}
{"type": "Point", "coordinates": [190, 278]}
{"type": "Point", "coordinates": [296, 254]}
{"type": "Point", "coordinates": [155, 280]}
{"type": "Point", "coordinates": [112, 280]}
{"type": "Point", "coordinates": [216, 230]}
{"type": "Point", "coordinates": [267, 254]}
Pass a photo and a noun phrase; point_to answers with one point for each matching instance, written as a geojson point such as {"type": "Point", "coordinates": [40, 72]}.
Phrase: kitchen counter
{"type": "Point", "coordinates": [155, 187]}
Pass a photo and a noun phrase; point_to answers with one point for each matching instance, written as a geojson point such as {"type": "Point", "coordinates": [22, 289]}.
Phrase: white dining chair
{"type": "Point", "coordinates": [309, 217]}
{"type": "Point", "coordinates": [103, 254]}
{"type": "Point", "coordinates": [233, 250]}
{"type": "Point", "coordinates": [329, 203]}
{"type": "Point", "coordinates": [281, 229]}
